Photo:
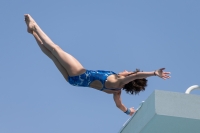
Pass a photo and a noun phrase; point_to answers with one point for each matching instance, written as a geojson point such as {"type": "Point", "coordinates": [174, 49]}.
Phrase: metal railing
{"type": "Point", "coordinates": [191, 88]}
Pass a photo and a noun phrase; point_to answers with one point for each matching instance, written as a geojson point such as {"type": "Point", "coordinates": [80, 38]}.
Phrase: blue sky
{"type": "Point", "coordinates": [107, 35]}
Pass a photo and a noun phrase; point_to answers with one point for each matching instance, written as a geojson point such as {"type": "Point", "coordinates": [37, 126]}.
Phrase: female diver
{"type": "Point", "coordinates": [77, 75]}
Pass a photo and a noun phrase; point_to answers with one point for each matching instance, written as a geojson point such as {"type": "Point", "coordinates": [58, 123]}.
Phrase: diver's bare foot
{"type": "Point", "coordinates": [30, 23]}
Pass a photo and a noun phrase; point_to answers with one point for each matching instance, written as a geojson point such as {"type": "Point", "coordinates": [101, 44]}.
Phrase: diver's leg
{"type": "Point", "coordinates": [51, 56]}
{"type": "Point", "coordinates": [72, 65]}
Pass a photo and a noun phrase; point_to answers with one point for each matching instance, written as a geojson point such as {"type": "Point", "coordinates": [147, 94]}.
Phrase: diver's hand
{"type": "Point", "coordinates": [132, 111]}
{"type": "Point", "coordinates": [160, 73]}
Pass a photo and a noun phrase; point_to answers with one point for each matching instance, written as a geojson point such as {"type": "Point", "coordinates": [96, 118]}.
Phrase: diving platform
{"type": "Point", "coordinates": [166, 112]}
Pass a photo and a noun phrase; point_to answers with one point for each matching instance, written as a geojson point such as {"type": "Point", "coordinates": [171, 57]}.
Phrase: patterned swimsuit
{"type": "Point", "coordinates": [89, 76]}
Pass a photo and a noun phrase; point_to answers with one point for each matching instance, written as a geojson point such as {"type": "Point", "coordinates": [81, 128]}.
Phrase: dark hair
{"type": "Point", "coordinates": [135, 86]}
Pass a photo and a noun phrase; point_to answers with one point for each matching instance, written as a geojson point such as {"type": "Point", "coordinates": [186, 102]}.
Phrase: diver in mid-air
{"type": "Point", "coordinates": [106, 81]}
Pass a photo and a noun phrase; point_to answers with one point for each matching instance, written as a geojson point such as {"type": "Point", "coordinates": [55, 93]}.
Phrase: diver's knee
{"type": "Point", "coordinates": [56, 48]}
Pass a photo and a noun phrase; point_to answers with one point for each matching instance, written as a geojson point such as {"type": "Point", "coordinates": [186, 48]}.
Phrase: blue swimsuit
{"type": "Point", "coordinates": [86, 78]}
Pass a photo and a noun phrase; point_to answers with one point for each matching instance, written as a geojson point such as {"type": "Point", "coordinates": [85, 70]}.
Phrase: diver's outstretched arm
{"type": "Point", "coordinates": [140, 75]}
